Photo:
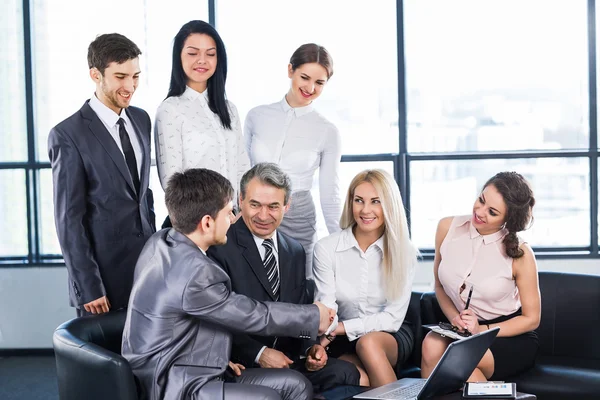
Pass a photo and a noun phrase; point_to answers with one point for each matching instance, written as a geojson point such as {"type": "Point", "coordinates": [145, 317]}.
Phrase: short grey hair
{"type": "Point", "coordinates": [269, 174]}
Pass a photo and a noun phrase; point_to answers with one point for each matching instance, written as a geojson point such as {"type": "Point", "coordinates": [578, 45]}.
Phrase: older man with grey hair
{"type": "Point", "coordinates": [267, 265]}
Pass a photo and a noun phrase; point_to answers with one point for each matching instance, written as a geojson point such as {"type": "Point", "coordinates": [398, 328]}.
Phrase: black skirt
{"type": "Point", "coordinates": [512, 355]}
{"type": "Point", "coordinates": [405, 339]}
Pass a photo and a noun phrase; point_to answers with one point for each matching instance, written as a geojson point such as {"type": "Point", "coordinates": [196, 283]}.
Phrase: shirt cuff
{"type": "Point", "coordinates": [354, 328]}
{"type": "Point", "coordinates": [259, 354]}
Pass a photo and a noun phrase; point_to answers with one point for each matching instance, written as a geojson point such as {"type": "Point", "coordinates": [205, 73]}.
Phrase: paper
{"type": "Point", "coordinates": [445, 332]}
{"type": "Point", "coordinates": [489, 388]}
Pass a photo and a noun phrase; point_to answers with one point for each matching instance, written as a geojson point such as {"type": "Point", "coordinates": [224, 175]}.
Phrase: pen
{"type": "Point", "coordinates": [469, 298]}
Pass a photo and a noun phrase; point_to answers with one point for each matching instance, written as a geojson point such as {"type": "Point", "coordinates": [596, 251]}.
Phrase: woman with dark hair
{"type": "Point", "coordinates": [480, 257]}
{"type": "Point", "coordinates": [295, 136]}
{"type": "Point", "coordinates": [196, 127]}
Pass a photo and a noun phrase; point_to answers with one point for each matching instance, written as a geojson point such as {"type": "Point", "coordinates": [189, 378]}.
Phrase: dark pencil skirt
{"type": "Point", "coordinates": [512, 355]}
{"type": "Point", "coordinates": [404, 338]}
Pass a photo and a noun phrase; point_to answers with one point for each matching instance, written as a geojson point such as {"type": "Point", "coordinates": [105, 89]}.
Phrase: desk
{"type": "Point", "coordinates": [346, 393]}
{"type": "Point", "coordinates": [458, 396]}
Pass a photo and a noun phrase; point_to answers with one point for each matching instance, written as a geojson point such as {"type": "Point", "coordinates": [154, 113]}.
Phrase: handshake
{"type": "Point", "coordinates": [328, 320]}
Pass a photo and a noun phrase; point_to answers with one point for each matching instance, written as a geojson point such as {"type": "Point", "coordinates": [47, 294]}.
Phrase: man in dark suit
{"type": "Point", "coordinates": [177, 334]}
{"type": "Point", "coordinates": [103, 207]}
{"type": "Point", "coordinates": [267, 265]}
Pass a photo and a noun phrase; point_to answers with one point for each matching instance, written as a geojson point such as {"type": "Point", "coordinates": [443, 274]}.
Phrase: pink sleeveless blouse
{"type": "Point", "coordinates": [471, 259]}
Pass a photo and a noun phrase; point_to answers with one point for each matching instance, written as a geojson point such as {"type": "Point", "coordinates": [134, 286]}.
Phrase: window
{"type": "Point", "coordinates": [361, 98]}
{"type": "Point", "coordinates": [443, 94]}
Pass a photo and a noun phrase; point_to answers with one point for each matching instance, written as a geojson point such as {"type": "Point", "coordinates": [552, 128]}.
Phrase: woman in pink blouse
{"type": "Point", "coordinates": [482, 251]}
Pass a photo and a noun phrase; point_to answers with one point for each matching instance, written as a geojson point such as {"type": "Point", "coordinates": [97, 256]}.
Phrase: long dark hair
{"type": "Point", "coordinates": [519, 200]}
{"type": "Point", "coordinates": [216, 83]}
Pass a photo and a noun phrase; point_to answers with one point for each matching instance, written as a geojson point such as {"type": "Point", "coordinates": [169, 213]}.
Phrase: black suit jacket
{"type": "Point", "coordinates": [102, 223]}
{"type": "Point", "coordinates": [242, 262]}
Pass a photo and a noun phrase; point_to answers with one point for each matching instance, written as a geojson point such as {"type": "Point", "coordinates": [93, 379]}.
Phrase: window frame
{"type": "Point", "coordinates": [401, 160]}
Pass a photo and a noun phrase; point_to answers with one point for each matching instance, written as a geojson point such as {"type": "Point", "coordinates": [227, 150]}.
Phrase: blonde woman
{"type": "Point", "coordinates": [365, 272]}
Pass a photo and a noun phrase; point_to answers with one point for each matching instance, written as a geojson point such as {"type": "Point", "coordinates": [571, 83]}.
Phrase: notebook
{"type": "Point", "coordinates": [454, 368]}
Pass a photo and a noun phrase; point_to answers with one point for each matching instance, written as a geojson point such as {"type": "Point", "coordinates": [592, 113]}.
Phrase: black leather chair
{"type": "Point", "coordinates": [568, 361]}
{"type": "Point", "coordinates": [412, 368]}
{"type": "Point", "coordinates": [88, 361]}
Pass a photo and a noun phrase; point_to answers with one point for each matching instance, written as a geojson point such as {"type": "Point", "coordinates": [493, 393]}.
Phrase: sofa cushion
{"type": "Point", "coordinates": [561, 378]}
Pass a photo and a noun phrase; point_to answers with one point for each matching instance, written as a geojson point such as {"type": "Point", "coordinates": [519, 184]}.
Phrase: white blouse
{"type": "Point", "coordinates": [300, 140]}
{"type": "Point", "coordinates": [351, 282]}
{"type": "Point", "coordinates": [189, 135]}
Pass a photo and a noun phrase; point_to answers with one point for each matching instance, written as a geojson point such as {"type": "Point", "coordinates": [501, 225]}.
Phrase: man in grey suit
{"type": "Point", "coordinates": [177, 335]}
{"type": "Point", "coordinates": [100, 158]}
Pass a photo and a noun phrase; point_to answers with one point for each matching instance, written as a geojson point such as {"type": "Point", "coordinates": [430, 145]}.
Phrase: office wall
{"type": "Point", "coordinates": [34, 301]}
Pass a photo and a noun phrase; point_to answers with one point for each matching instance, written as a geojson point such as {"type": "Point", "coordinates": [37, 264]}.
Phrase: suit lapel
{"type": "Point", "coordinates": [143, 140]}
{"type": "Point", "coordinates": [107, 142]}
{"type": "Point", "coordinates": [285, 269]}
{"type": "Point", "coordinates": [252, 256]}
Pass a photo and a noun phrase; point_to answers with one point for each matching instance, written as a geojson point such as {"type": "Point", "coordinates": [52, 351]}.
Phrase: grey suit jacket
{"type": "Point", "coordinates": [102, 223]}
{"type": "Point", "coordinates": [181, 312]}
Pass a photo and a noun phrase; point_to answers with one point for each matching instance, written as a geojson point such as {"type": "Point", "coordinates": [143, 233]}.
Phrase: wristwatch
{"type": "Point", "coordinates": [330, 337]}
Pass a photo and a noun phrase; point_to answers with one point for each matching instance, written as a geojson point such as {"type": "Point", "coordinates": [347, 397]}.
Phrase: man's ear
{"type": "Point", "coordinates": [205, 224]}
{"type": "Point", "coordinates": [95, 75]}
{"type": "Point", "coordinates": [290, 71]}
{"type": "Point", "coordinates": [287, 206]}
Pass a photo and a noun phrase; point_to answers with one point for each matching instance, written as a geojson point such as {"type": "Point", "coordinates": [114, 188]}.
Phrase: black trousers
{"type": "Point", "coordinates": [335, 373]}
{"type": "Point", "coordinates": [260, 384]}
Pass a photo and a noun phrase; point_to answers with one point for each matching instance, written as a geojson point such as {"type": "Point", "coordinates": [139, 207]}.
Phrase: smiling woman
{"type": "Point", "coordinates": [293, 135]}
{"type": "Point", "coordinates": [196, 127]}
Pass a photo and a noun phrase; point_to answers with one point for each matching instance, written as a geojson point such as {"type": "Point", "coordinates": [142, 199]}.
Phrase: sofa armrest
{"type": "Point", "coordinates": [88, 371]}
{"type": "Point", "coordinates": [431, 312]}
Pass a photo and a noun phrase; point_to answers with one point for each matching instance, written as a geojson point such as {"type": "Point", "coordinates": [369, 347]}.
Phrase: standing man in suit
{"type": "Point", "coordinates": [103, 207]}
{"type": "Point", "coordinates": [267, 265]}
{"type": "Point", "coordinates": [177, 334]}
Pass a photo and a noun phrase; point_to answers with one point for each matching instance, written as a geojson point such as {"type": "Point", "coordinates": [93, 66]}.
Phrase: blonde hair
{"type": "Point", "coordinates": [399, 253]}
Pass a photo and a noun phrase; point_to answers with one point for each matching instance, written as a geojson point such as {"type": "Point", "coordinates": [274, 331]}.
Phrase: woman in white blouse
{"type": "Point", "coordinates": [196, 127]}
{"type": "Point", "coordinates": [365, 272]}
{"type": "Point", "coordinates": [295, 136]}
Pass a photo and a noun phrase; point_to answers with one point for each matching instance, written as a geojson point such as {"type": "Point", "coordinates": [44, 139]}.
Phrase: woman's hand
{"type": "Point", "coordinates": [458, 322]}
{"type": "Point", "coordinates": [470, 321]}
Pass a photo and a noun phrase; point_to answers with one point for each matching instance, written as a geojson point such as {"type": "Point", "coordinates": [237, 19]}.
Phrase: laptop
{"type": "Point", "coordinates": [451, 372]}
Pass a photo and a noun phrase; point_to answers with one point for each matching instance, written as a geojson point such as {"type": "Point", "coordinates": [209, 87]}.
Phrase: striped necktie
{"type": "Point", "coordinates": [270, 264]}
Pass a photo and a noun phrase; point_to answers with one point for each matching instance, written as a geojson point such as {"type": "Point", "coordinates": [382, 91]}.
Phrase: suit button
{"type": "Point", "coordinates": [139, 234]}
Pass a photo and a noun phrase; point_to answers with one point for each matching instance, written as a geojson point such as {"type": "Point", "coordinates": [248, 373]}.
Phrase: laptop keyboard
{"type": "Point", "coordinates": [407, 392]}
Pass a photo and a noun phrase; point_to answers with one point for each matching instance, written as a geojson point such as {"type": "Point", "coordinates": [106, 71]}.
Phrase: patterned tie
{"type": "Point", "coordinates": [271, 267]}
{"type": "Point", "coordinates": [129, 155]}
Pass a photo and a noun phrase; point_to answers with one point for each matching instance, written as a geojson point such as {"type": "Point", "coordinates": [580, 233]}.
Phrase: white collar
{"type": "Point", "coordinates": [194, 95]}
{"type": "Point", "coordinates": [106, 115]}
{"type": "Point", "coordinates": [348, 241]}
{"type": "Point", "coordinates": [298, 111]}
{"type": "Point", "coordinates": [259, 241]}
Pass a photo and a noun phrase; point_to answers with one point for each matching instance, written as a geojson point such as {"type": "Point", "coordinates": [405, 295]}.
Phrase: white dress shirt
{"type": "Point", "coordinates": [351, 282]}
{"type": "Point", "coordinates": [300, 140]}
{"type": "Point", "coordinates": [190, 135]}
{"type": "Point", "coordinates": [262, 251]}
{"type": "Point", "coordinates": [110, 118]}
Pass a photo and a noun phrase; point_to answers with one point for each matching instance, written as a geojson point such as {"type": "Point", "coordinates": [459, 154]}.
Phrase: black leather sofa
{"type": "Point", "coordinates": [568, 362]}
{"type": "Point", "coordinates": [88, 361]}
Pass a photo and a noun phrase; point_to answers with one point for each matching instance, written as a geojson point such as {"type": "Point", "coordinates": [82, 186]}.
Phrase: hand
{"type": "Point", "coordinates": [470, 321]}
{"type": "Point", "coordinates": [316, 358]}
{"type": "Point", "coordinates": [236, 368]}
{"type": "Point", "coordinates": [271, 358]}
{"type": "Point", "coordinates": [98, 306]}
{"type": "Point", "coordinates": [326, 317]}
{"type": "Point", "coordinates": [458, 322]}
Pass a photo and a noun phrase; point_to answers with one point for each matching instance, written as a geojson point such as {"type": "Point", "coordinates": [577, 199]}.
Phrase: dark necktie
{"type": "Point", "coordinates": [270, 264]}
{"type": "Point", "coordinates": [129, 155]}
